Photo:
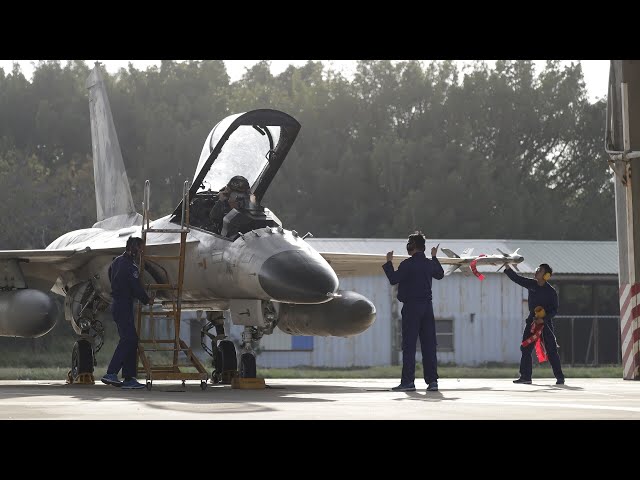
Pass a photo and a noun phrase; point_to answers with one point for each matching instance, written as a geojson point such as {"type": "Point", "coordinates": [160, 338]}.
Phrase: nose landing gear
{"type": "Point", "coordinates": [82, 363]}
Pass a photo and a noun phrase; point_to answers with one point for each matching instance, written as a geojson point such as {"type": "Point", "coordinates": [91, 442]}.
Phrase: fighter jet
{"type": "Point", "coordinates": [250, 269]}
{"type": "Point", "coordinates": [255, 270]}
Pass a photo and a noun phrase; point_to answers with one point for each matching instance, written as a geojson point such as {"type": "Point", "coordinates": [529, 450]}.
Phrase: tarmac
{"type": "Point", "coordinates": [320, 399]}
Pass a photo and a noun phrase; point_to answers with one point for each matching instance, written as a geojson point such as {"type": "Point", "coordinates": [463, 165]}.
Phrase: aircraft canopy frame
{"type": "Point", "coordinates": [253, 144]}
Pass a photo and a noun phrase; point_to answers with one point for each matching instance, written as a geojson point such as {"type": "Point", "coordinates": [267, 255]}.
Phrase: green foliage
{"type": "Point", "coordinates": [483, 153]}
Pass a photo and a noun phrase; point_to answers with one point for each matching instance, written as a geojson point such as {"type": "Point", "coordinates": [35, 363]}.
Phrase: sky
{"type": "Point", "coordinates": [596, 72]}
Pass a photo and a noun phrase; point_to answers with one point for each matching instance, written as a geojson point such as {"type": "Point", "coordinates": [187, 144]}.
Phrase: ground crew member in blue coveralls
{"type": "Point", "coordinates": [125, 286]}
{"type": "Point", "coordinates": [414, 276]}
{"type": "Point", "coordinates": [541, 294]}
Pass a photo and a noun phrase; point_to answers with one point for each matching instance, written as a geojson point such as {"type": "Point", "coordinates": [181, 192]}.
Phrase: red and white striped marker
{"type": "Point", "coordinates": [630, 330]}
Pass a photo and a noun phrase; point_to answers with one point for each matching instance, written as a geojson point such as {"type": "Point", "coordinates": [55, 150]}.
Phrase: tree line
{"type": "Point", "coordinates": [489, 152]}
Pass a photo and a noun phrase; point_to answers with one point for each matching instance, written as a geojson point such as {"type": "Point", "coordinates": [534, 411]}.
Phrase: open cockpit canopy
{"type": "Point", "coordinates": [252, 144]}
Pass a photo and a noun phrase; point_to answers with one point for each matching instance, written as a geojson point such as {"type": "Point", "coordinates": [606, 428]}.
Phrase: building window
{"type": "Point", "coordinates": [283, 342]}
{"type": "Point", "coordinates": [444, 334]}
{"type": "Point", "coordinates": [301, 343]}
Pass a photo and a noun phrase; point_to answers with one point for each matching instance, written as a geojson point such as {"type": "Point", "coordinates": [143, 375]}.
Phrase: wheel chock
{"type": "Point", "coordinates": [248, 383]}
{"type": "Point", "coordinates": [228, 376]}
{"type": "Point", "coordinates": [82, 379]}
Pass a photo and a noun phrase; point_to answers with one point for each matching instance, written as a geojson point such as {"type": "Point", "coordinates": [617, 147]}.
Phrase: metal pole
{"type": "Point", "coordinates": [624, 98]}
{"type": "Point", "coordinates": [622, 144]}
{"type": "Point", "coordinates": [145, 204]}
{"type": "Point", "coordinates": [573, 349]}
{"type": "Point", "coordinates": [594, 308]}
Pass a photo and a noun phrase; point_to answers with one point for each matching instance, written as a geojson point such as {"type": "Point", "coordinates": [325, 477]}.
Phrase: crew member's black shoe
{"type": "Point", "coordinates": [522, 380]}
{"type": "Point", "coordinates": [404, 388]}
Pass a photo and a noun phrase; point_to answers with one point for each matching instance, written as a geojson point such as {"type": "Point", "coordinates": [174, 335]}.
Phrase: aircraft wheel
{"type": "Point", "coordinates": [226, 360]}
{"type": "Point", "coordinates": [149, 384]}
{"type": "Point", "coordinates": [229, 358]}
{"type": "Point", "coordinates": [247, 366]}
{"type": "Point", "coordinates": [81, 358]}
{"type": "Point", "coordinates": [203, 385]}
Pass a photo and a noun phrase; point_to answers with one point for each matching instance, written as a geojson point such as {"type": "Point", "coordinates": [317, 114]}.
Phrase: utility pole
{"type": "Point", "coordinates": [622, 144]}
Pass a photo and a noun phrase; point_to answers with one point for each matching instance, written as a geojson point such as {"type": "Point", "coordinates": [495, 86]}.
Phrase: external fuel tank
{"type": "Point", "coordinates": [343, 316]}
{"type": "Point", "coordinates": [26, 313]}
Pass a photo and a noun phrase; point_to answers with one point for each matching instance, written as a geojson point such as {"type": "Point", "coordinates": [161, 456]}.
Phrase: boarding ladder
{"type": "Point", "coordinates": [169, 351]}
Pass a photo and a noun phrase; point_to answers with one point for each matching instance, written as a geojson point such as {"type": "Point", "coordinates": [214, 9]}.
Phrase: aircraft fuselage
{"type": "Point", "coordinates": [269, 263]}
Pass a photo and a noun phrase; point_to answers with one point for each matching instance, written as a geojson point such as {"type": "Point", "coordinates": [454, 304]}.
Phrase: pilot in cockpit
{"type": "Point", "coordinates": [236, 194]}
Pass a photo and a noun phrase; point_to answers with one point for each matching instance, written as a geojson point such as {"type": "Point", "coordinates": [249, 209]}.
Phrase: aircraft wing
{"type": "Point", "coordinates": [47, 256]}
{"type": "Point", "coordinates": [40, 268]}
{"type": "Point", "coordinates": [355, 264]}
{"type": "Point", "coordinates": [57, 256]}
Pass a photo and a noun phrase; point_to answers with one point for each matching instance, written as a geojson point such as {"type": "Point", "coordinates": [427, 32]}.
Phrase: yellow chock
{"type": "Point", "coordinates": [248, 383]}
{"type": "Point", "coordinates": [83, 379]}
{"type": "Point", "coordinates": [228, 376]}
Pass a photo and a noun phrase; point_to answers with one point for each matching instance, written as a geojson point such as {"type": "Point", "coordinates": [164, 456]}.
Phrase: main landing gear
{"type": "Point", "coordinates": [223, 351]}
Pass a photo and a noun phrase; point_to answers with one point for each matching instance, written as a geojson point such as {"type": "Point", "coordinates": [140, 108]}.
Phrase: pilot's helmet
{"type": "Point", "coordinates": [239, 184]}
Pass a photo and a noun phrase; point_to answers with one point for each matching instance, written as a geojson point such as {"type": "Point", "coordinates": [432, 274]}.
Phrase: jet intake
{"type": "Point", "coordinates": [26, 313]}
{"type": "Point", "coordinates": [344, 316]}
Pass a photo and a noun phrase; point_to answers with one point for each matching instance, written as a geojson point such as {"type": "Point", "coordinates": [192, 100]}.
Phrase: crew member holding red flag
{"type": "Point", "coordinates": [536, 334]}
{"type": "Point", "coordinates": [538, 330]}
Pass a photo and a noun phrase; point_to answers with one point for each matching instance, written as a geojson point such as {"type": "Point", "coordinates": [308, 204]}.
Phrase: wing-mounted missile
{"type": "Point", "coordinates": [511, 259]}
{"type": "Point", "coordinates": [468, 263]}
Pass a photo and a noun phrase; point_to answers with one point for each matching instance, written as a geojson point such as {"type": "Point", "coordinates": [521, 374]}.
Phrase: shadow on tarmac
{"type": "Point", "coordinates": [191, 398]}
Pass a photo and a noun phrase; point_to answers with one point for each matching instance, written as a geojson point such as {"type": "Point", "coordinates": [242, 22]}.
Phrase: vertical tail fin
{"type": "Point", "coordinates": [113, 196]}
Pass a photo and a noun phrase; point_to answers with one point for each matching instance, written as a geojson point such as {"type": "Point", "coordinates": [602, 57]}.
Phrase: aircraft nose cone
{"type": "Point", "coordinates": [296, 277]}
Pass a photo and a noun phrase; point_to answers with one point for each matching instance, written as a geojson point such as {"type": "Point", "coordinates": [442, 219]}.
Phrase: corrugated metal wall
{"type": "Point", "coordinates": [370, 348]}
{"type": "Point", "coordinates": [488, 317]}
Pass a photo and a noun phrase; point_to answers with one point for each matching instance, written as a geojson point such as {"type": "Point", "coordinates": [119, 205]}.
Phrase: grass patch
{"type": "Point", "coordinates": [445, 371]}
{"type": "Point", "coordinates": [56, 373]}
